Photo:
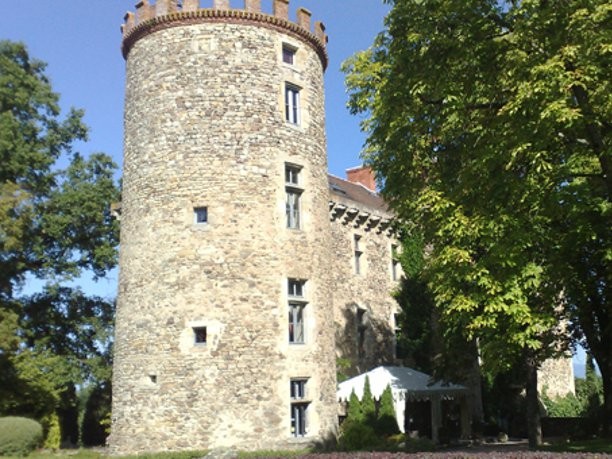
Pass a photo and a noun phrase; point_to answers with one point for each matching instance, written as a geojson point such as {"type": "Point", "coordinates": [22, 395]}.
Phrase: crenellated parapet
{"type": "Point", "coordinates": [151, 17]}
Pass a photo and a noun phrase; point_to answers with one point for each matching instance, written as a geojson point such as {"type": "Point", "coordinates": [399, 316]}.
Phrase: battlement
{"type": "Point", "coordinates": [149, 17]}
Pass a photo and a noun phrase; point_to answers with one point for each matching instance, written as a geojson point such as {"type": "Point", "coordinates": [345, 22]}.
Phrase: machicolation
{"type": "Point", "coordinates": [171, 13]}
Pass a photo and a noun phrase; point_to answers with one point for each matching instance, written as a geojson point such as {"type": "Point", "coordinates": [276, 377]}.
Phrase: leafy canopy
{"type": "Point", "coordinates": [489, 130]}
{"type": "Point", "coordinates": [55, 223]}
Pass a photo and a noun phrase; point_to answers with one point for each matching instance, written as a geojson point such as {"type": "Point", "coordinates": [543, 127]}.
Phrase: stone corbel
{"type": "Point", "coordinates": [362, 217]}
{"type": "Point", "coordinates": [373, 221]}
{"type": "Point", "coordinates": [336, 210]}
{"type": "Point", "coordinates": [350, 215]}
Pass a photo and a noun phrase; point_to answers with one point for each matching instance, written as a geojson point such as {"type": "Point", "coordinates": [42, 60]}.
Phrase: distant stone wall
{"type": "Point", "coordinates": [556, 377]}
{"type": "Point", "coordinates": [205, 128]}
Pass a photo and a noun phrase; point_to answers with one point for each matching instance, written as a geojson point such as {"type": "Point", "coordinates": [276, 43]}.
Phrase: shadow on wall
{"type": "Point", "coordinates": [363, 341]}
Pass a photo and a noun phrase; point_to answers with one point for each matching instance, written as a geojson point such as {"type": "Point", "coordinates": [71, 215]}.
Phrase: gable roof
{"type": "Point", "coordinates": [344, 192]}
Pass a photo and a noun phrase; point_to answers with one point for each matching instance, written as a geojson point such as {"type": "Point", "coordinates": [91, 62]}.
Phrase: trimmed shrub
{"type": "Point", "coordinates": [53, 436]}
{"type": "Point", "coordinates": [19, 436]}
{"type": "Point", "coordinates": [358, 436]}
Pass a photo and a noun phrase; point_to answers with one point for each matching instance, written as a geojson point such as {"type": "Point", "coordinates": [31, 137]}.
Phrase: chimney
{"type": "Point", "coordinates": [362, 175]}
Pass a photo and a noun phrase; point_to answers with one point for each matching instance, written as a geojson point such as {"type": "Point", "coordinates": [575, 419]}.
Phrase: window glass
{"type": "Point", "coordinates": [292, 104]}
{"type": "Point", "coordinates": [199, 334]}
{"type": "Point", "coordinates": [200, 215]}
{"type": "Point", "coordinates": [288, 54]}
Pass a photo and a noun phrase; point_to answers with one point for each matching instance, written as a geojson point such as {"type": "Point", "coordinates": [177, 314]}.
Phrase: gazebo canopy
{"type": "Point", "coordinates": [405, 383]}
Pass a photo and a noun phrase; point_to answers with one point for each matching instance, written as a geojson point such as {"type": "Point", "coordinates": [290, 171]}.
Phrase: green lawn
{"type": "Point", "coordinates": [599, 445]}
{"type": "Point", "coordinates": [94, 454]}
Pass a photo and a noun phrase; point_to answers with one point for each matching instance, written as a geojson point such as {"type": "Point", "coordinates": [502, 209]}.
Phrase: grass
{"type": "Point", "coordinates": [598, 445]}
{"type": "Point", "coordinates": [256, 454]}
{"type": "Point", "coordinates": [96, 454]}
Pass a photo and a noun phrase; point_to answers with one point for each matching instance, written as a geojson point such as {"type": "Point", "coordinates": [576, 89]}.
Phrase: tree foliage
{"type": "Point", "coordinates": [368, 405]}
{"type": "Point", "coordinates": [489, 130]}
{"type": "Point", "coordinates": [386, 422]}
{"type": "Point", "coordinates": [55, 224]}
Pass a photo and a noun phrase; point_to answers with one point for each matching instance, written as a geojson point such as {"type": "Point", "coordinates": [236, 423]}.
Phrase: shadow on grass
{"type": "Point", "coordinates": [597, 445]}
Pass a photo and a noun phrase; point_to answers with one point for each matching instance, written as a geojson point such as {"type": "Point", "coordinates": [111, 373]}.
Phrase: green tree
{"type": "Point", "coordinates": [55, 224]}
{"type": "Point", "coordinates": [425, 342]}
{"type": "Point", "coordinates": [355, 412]}
{"type": "Point", "coordinates": [368, 406]}
{"type": "Point", "coordinates": [386, 422]}
{"type": "Point", "coordinates": [488, 129]}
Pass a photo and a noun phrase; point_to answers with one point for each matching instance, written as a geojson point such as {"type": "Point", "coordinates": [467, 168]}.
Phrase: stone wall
{"type": "Point", "coordinates": [205, 127]}
{"type": "Point", "coordinates": [556, 377]}
{"type": "Point", "coordinates": [363, 304]}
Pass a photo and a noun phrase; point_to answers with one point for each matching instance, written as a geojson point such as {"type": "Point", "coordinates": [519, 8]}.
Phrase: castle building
{"type": "Point", "coordinates": [230, 305]}
{"type": "Point", "coordinates": [246, 271]}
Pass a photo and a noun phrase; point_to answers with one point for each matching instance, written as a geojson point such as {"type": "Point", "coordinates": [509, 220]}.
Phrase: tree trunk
{"type": "Point", "coordinates": [606, 376]}
{"type": "Point", "coordinates": [534, 423]}
{"type": "Point", "coordinates": [474, 384]}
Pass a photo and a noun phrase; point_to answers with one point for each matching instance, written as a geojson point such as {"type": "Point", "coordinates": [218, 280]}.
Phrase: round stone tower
{"type": "Point", "coordinates": [224, 325]}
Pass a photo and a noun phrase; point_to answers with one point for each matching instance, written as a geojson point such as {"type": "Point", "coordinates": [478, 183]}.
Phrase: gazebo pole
{"type": "Point", "coordinates": [436, 417]}
{"type": "Point", "coordinates": [466, 428]}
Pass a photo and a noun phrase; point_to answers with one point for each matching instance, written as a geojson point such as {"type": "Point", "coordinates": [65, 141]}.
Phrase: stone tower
{"type": "Point", "coordinates": [224, 325]}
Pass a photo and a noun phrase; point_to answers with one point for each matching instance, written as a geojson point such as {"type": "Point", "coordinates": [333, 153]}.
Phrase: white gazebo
{"type": "Point", "coordinates": [409, 385]}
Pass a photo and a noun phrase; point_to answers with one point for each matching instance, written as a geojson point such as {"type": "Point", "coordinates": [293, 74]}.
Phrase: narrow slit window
{"type": "Point", "coordinates": [292, 104]}
{"type": "Point", "coordinates": [361, 332]}
{"type": "Point", "coordinates": [395, 263]}
{"type": "Point", "coordinates": [357, 253]}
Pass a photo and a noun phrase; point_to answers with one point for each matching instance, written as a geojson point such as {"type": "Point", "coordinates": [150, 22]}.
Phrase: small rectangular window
{"type": "Point", "coordinates": [397, 326]}
{"type": "Point", "coordinates": [298, 389]}
{"type": "Point", "coordinates": [361, 332]}
{"type": "Point", "coordinates": [293, 209]}
{"type": "Point", "coordinates": [395, 263]}
{"type": "Point", "coordinates": [296, 310]}
{"type": "Point", "coordinates": [199, 334]}
{"type": "Point", "coordinates": [295, 287]}
{"type": "Point", "coordinates": [299, 408]}
{"type": "Point", "coordinates": [289, 54]}
{"type": "Point", "coordinates": [357, 253]}
{"type": "Point", "coordinates": [298, 419]}
{"type": "Point", "coordinates": [292, 104]}
{"type": "Point", "coordinates": [293, 195]}
{"type": "Point", "coordinates": [292, 174]}
{"type": "Point", "coordinates": [200, 215]}
{"type": "Point", "coordinates": [296, 323]}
